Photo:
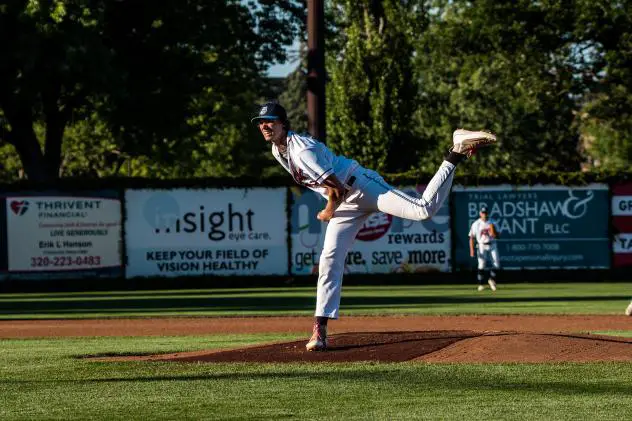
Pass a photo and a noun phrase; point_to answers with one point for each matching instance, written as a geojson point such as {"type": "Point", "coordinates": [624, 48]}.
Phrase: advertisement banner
{"type": "Point", "coordinates": [3, 238]}
{"type": "Point", "coordinates": [54, 234]}
{"type": "Point", "coordinates": [539, 227]}
{"type": "Point", "coordinates": [189, 232]}
{"type": "Point", "coordinates": [622, 224]}
{"type": "Point", "coordinates": [385, 244]}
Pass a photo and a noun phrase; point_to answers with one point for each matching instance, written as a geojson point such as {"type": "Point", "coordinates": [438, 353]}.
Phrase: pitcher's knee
{"type": "Point", "coordinates": [423, 214]}
{"type": "Point", "coordinates": [330, 267]}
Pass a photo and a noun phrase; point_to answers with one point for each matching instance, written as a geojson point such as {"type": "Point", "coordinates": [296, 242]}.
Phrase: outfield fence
{"type": "Point", "coordinates": [185, 231]}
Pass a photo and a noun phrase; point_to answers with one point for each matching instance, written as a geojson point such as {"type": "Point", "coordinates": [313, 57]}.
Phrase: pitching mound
{"type": "Point", "coordinates": [534, 348]}
{"type": "Point", "coordinates": [426, 346]}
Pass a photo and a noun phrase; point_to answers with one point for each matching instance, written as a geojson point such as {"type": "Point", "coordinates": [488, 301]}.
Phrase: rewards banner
{"type": "Point", "coordinates": [385, 244]}
{"type": "Point", "coordinates": [51, 233]}
{"type": "Point", "coordinates": [622, 224]}
{"type": "Point", "coordinates": [206, 231]}
{"type": "Point", "coordinates": [539, 227]}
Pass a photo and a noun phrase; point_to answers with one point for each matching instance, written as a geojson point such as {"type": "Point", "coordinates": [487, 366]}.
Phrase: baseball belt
{"type": "Point", "coordinates": [350, 182]}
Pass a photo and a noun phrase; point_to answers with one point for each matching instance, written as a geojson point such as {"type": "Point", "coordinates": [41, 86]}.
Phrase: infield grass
{"type": "Point", "coordinates": [44, 379]}
{"type": "Point", "coordinates": [523, 298]}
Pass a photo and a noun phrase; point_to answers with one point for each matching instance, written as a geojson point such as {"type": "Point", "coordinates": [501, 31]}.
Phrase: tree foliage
{"type": "Point", "coordinates": [372, 94]}
{"type": "Point", "coordinates": [506, 66]}
{"type": "Point", "coordinates": [294, 95]}
{"type": "Point", "coordinates": [550, 78]}
{"type": "Point", "coordinates": [162, 76]}
{"type": "Point", "coordinates": [166, 88]}
{"type": "Point", "coordinates": [605, 120]}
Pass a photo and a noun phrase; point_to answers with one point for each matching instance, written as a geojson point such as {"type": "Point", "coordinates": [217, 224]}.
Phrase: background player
{"type": "Point", "coordinates": [352, 194]}
{"type": "Point", "coordinates": [484, 232]}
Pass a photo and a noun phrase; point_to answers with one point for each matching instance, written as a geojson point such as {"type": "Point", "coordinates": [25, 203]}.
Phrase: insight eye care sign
{"type": "Point", "coordinates": [233, 231]}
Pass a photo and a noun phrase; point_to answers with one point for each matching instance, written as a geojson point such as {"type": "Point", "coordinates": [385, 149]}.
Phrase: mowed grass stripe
{"type": "Point", "coordinates": [549, 298]}
{"type": "Point", "coordinates": [549, 288]}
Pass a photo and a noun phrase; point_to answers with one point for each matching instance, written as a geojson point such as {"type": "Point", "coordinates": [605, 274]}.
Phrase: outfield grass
{"type": "Point", "coordinates": [549, 298]}
{"type": "Point", "coordinates": [44, 379]}
{"type": "Point", "coordinates": [49, 378]}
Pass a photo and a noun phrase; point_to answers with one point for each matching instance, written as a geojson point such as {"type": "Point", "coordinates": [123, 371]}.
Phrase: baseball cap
{"type": "Point", "coordinates": [484, 209]}
{"type": "Point", "coordinates": [270, 111]}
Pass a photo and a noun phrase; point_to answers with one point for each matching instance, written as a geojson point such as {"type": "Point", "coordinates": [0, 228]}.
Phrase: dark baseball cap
{"type": "Point", "coordinates": [270, 111]}
{"type": "Point", "coordinates": [484, 209]}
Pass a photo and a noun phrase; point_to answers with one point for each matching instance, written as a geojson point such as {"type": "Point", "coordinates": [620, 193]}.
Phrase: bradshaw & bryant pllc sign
{"type": "Point", "coordinates": [540, 227]}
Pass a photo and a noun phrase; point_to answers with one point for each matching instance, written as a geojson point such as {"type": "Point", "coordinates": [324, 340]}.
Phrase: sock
{"type": "Point", "coordinates": [454, 157]}
{"type": "Point", "coordinates": [480, 276]}
{"type": "Point", "coordinates": [322, 321]}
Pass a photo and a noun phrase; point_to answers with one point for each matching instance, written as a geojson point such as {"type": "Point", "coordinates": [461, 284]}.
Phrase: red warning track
{"type": "Point", "coordinates": [183, 326]}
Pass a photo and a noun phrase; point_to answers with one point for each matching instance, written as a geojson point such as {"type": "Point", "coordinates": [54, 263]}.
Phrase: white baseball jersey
{"type": "Point", "coordinates": [487, 249]}
{"type": "Point", "coordinates": [310, 162]}
{"type": "Point", "coordinates": [480, 230]}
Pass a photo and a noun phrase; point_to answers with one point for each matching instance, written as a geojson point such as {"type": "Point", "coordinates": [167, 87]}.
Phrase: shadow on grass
{"type": "Point", "coordinates": [142, 294]}
{"type": "Point", "coordinates": [470, 377]}
{"type": "Point", "coordinates": [264, 304]}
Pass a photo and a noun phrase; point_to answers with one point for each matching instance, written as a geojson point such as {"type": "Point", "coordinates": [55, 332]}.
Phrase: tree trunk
{"type": "Point", "coordinates": [52, 150]}
{"type": "Point", "coordinates": [25, 142]}
{"type": "Point", "coordinates": [22, 136]}
{"type": "Point", "coordinates": [56, 119]}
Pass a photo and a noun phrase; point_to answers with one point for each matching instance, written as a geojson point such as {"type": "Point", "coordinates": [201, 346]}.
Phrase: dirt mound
{"type": "Point", "coordinates": [535, 348]}
{"type": "Point", "coordinates": [427, 346]}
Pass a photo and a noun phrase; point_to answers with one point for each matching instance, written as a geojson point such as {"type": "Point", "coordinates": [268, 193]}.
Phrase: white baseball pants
{"type": "Point", "coordinates": [370, 193]}
{"type": "Point", "coordinates": [488, 253]}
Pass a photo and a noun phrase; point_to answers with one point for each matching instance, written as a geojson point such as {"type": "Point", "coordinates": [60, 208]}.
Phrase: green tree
{"type": "Point", "coordinates": [161, 75]}
{"type": "Point", "coordinates": [604, 29]}
{"type": "Point", "coordinates": [372, 93]}
{"type": "Point", "coordinates": [509, 66]}
{"type": "Point", "coordinates": [294, 95]}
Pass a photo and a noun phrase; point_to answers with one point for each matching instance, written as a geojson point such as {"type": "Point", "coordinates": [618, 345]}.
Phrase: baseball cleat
{"type": "Point", "coordinates": [492, 284]}
{"type": "Point", "coordinates": [318, 341]}
{"type": "Point", "coordinates": [628, 311]}
{"type": "Point", "coordinates": [481, 287]}
{"type": "Point", "coordinates": [467, 142]}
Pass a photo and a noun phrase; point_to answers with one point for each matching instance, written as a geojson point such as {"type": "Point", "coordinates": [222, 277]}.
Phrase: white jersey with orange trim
{"type": "Point", "coordinates": [481, 231]}
{"type": "Point", "coordinates": [487, 249]}
{"type": "Point", "coordinates": [310, 162]}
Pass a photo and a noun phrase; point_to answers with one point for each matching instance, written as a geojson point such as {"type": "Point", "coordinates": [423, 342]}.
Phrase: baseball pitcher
{"type": "Point", "coordinates": [352, 193]}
